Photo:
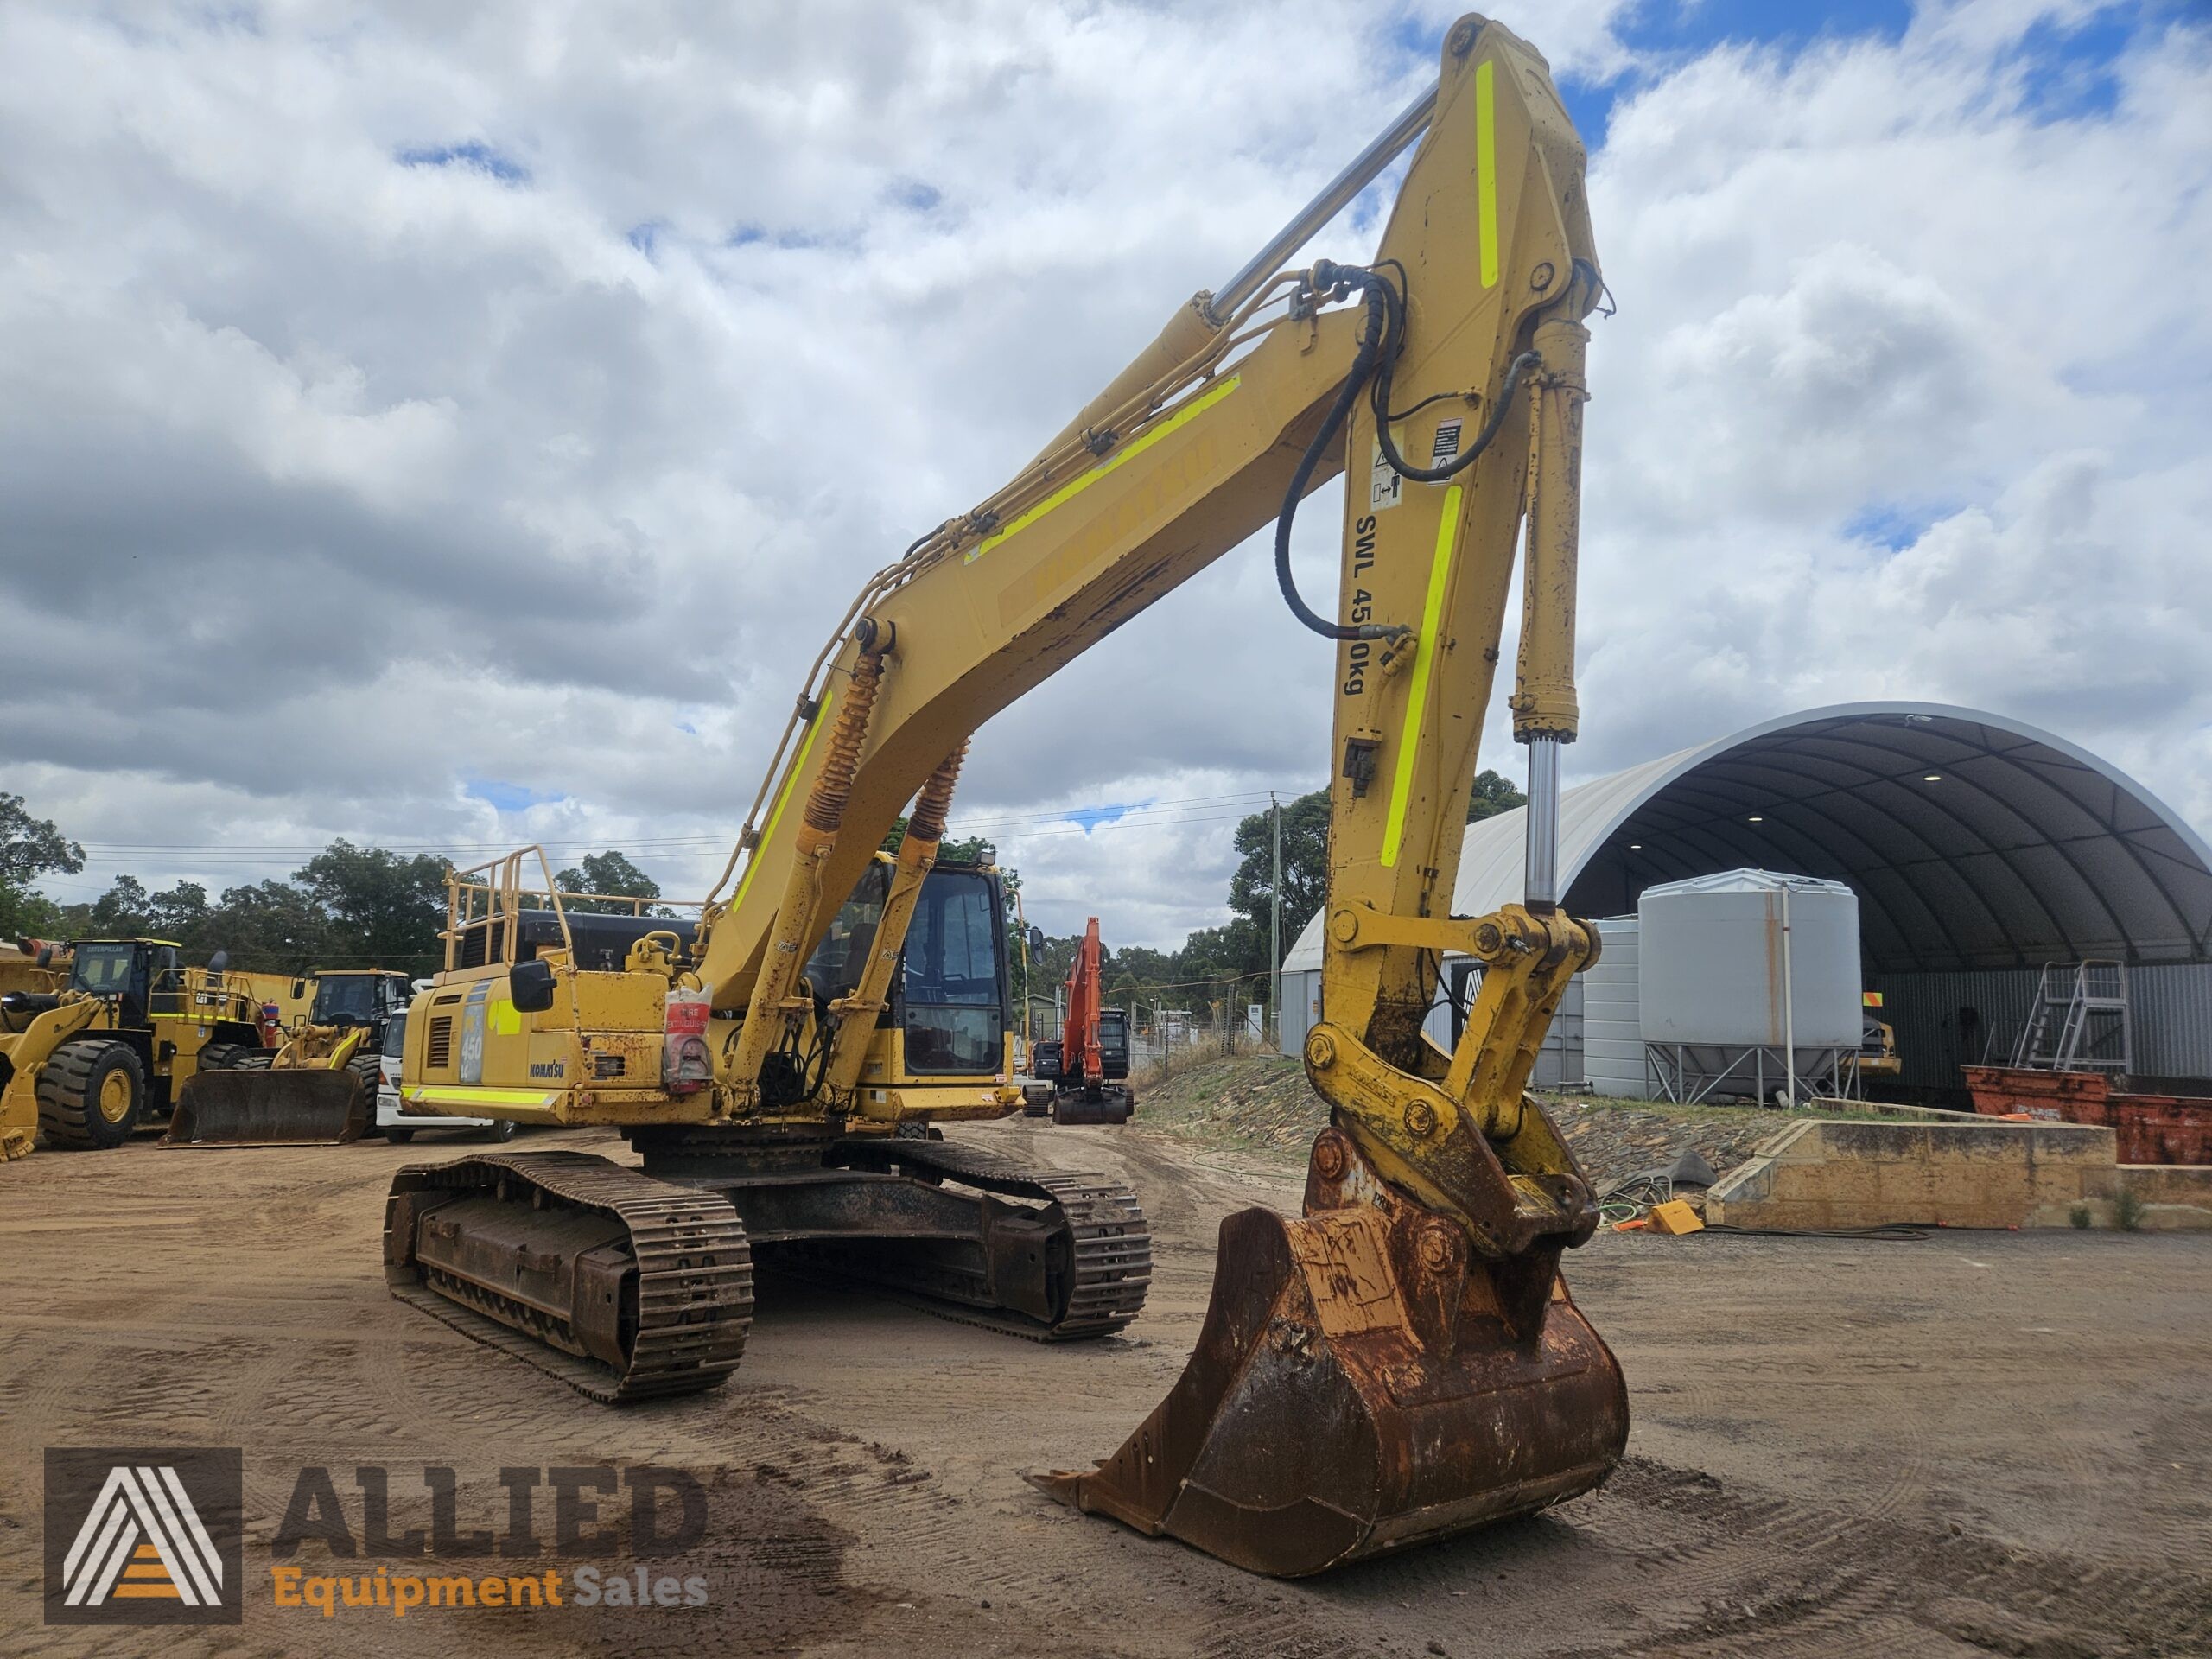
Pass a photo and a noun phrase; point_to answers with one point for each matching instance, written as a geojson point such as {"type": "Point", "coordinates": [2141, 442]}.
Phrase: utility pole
{"type": "Point", "coordinates": [1275, 919]}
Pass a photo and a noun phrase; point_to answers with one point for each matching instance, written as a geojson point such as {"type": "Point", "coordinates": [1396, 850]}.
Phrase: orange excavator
{"type": "Point", "coordinates": [1088, 1067]}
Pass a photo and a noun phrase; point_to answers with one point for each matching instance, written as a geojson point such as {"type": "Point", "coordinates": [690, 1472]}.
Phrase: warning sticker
{"type": "Point", "coordinates": [1384, 487]}
{"type": "Point", "coordinates": [1446, 447]}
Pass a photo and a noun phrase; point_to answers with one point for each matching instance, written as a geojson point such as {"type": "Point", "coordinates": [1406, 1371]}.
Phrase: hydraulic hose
{"type": "Point", "coordinates": [1515, 373]}
{"type": "Point", "coordinates": [1362, 367]}
{"type": "Point", "coordinates": [1379, 341]}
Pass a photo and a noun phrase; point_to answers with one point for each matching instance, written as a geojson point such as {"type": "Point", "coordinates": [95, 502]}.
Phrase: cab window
{"type": "Point", "coordinates": [836, 968]}
{"type": "Point", "coordinates": [950, 989]}
{"type": "Point", "coordinates": [103, 970]}
{"type": "Point", "coordinates": [351, 997]}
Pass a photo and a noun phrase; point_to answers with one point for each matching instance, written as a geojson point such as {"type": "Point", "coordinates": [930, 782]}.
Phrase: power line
{"type": "Point", "coordinates": [1073, 816]}
{"type": "Point", "coordinates": [692, 848]}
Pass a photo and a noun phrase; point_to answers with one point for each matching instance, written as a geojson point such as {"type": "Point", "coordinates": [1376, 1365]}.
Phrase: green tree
{"type": "Point", "coordinates": [276, 927]}
{"type": "Point", "coordinates": [124, 911]}
{"type": "Point", "coordinates": [30, 847]}
{"type": "Point", "coordinates": [384, 910]}
{"type": "Point", "coordinates": [610, 873]}
{"type": "Point", "coordinates": [1304, 869]}
{"type": "Point", "coordinates": [1492, 795]}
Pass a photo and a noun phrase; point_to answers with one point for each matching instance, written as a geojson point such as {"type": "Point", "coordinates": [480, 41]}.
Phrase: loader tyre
{"type": "Point", "coordinates": [253, 1059]}
{"type": "Point", "coordinates": [90, 1095]}
{"type": "Point", "coordinates": [368, 1072]}
{"type": "Point", "coordinates": [223, 1056]}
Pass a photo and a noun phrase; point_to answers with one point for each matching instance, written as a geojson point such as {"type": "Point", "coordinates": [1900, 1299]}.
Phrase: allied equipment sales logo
{"type": "Point", "coordinates": [143, 1535]}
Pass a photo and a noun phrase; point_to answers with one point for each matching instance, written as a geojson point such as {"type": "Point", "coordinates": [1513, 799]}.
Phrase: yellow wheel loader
{"type": "Point", "coordinates": [1402, 1361]}
{"type": "Point", "coordinates": [317, 1088]}
{"type": "Point", "coordinates": [124, 1032]}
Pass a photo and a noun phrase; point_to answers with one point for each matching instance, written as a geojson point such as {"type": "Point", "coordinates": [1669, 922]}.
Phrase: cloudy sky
{"type": "Point", "coordinates": [449, 426]}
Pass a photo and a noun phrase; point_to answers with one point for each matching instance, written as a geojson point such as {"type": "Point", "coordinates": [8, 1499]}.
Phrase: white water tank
{"type": "Point", "coordinates": [1709, 960]}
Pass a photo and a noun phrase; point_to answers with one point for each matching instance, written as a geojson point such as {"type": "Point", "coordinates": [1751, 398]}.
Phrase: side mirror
{"type": "Point", "coordinates": [218, 962]}
{"type": "Point", "coordinates": [299, 990]}
{"type": "Point", "coordinates": [530, 985]}
{"type": "Point", "coordinates": [1036, 941]}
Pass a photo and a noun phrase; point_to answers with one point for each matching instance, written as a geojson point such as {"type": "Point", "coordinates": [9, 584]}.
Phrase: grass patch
{"type": "Point", "coordinates": [2127, 1209]}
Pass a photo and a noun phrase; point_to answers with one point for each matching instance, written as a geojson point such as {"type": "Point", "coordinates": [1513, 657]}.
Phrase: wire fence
{"type": "Point", "coordinates": [1163, 1037]}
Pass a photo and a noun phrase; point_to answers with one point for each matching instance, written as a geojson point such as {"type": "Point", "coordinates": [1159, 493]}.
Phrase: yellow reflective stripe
{"type": "Point", "coordinates": [461, 1094]}
{"type": "Point", "coordinates": [1425, 647]}
{"type": "Point", "coordinates": [1486, 169]}
{"type": "Point", "coordinates": [1069, 491]}
{"type": "Point", "coordinates": [782, 799]}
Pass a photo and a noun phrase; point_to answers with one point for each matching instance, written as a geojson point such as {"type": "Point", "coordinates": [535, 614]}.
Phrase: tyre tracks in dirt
{"type": "Point", "coordinates": [1839, 1448]}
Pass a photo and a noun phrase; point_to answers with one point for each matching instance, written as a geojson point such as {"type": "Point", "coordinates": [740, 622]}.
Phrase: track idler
{"type": "Point", "coordinates": [290, 1108]}
{"type": "Point", "coordinates": [1365, 1382]}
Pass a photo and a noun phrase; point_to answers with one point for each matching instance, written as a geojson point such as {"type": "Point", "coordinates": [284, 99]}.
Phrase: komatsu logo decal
{"type": "Point", "coordinates": [549, 1069]}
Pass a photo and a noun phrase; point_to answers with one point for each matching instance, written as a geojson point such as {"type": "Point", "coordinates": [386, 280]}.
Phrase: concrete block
{"type": "Point", "coordinates": [1991, 1173]}
{"type": "Point", "coordinates": [2176, 1197]}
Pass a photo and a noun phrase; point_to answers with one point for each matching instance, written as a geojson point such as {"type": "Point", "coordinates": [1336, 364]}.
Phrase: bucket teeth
{"type": "Point", "coordinates": [1358, 1386]}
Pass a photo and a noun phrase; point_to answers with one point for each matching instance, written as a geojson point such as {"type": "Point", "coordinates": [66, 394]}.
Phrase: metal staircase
{"type": "Point", "coordinates": [2079, 1022]}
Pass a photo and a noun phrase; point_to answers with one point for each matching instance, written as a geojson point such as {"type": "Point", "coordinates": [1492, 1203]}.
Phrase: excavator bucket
{"type": "Point", "coordinates": [1361, 1384]}
{"type": "Point", "coordinates": [290, 1108]}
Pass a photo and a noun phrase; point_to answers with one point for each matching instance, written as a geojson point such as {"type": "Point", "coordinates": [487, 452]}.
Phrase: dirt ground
{"type": "Point", "coordinates": [1973, 1443]}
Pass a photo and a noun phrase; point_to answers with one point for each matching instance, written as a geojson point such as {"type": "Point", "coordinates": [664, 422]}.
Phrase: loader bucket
{"type": "Point", "coordinates": [271, 1108]}
{"type": "Point", "coordinates": [1335, 1409]}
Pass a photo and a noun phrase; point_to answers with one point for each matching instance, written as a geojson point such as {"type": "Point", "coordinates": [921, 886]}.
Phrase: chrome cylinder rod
{"type": "Point", "coordinates": [1364, 169]}
{"type": "Point", "coordinates": [1541, 883]}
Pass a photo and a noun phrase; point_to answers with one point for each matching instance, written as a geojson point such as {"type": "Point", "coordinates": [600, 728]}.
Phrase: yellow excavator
{"type": "Point", "coordinates": [1402, 1361]}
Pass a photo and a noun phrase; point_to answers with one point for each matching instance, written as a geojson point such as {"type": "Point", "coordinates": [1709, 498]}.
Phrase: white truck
{"type": "Point", "coordinates": [399, 1128]}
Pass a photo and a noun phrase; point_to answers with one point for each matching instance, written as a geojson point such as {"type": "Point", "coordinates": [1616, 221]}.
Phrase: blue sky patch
{"type": "Point", "coordinates": [508, 797]}
{"type": "Point", "coordinates": [1893, 525]}
{"type": "Point", "coordinates": [1091, 817]}
{"type": "Point", "coordinates": [759, 236]}
{"type": "Point", "coordinates": [475, 155]}
{"type": "Point", "coordinates": [2069, 73]}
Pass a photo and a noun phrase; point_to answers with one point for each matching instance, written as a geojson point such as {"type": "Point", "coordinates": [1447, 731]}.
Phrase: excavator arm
{"type": "Point", "coordinates": [1192, 449]}
{"type": "Point", "coordinates": [1421, 1294]}
{"type": "Point", "coordinates": [1403, 1360]}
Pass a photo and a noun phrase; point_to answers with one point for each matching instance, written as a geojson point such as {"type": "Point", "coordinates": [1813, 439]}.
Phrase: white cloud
{"type": "Point", "coordinates": [340, 485]}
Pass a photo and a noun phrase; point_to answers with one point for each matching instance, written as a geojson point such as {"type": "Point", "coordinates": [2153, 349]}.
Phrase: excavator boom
{"type": "Point", "coordinates": [1402, 1361]}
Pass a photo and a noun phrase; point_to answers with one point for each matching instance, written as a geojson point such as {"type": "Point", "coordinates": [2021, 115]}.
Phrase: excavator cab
{"type": "Point", "coordinates": [950, 1002]}
{"type": "Point", "coordinates": [951, 997]}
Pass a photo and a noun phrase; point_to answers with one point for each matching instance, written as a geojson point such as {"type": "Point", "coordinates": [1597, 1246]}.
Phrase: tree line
{"type": "Point", "coordinates": [354, 906]}
{"type": "Point", "coordinates": [348, 906]}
